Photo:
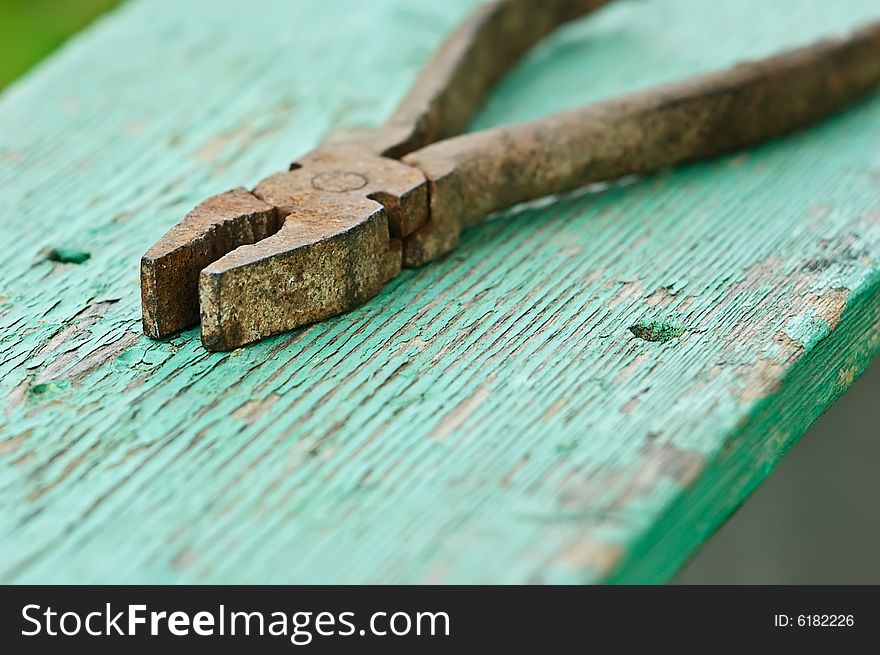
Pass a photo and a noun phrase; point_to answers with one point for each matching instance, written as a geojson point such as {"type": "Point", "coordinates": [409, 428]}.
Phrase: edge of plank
{"type": "Point", "coordinates": [823, 373]}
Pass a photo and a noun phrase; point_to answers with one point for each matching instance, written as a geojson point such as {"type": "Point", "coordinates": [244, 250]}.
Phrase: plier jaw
{"type": "Point", "coordinates": [304, 245]}
{"type": "Point", "coordinates": [170, 268]}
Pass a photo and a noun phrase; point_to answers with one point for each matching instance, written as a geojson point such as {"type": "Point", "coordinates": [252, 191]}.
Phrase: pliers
{"type": "Point", "coordinates": [325, 236]}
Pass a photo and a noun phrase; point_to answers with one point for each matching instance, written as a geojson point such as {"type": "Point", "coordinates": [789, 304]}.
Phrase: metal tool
{"type": "Point", "coordinates": [325, 236]}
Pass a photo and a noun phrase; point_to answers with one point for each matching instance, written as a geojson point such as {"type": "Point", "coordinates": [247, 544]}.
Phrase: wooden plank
{"type": "Point", "coordinates": [488, 418]}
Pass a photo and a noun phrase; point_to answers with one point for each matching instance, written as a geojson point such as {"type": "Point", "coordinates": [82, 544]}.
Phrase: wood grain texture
{"type": "Point", "coordinates": [582, 392]}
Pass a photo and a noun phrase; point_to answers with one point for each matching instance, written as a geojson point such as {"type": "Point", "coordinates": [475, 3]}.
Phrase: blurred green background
{"type": "Point", "coordinates": [31, 29]}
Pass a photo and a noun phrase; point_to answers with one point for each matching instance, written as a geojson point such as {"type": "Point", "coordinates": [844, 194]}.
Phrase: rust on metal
{"type": "Point", "coordinates": [343, 213]}
{"type": "Point", "coordinates": [325, 237]}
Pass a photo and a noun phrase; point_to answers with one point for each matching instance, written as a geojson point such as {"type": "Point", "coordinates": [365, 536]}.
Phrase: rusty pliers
{"type": "Point", "coordinates": [325, 236]}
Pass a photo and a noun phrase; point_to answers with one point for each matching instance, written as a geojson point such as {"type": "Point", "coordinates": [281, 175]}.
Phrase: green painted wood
{"type": "Point", "coordinates": [488, 418]}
